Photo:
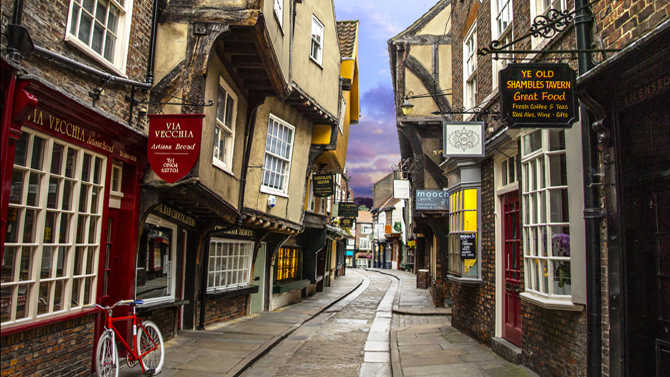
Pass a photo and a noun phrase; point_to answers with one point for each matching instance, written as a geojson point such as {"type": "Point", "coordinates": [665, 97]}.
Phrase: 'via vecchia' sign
{"type": "Point", "coordinates": [539, 95]}
{"type": "Point", "coordinates": [174, 144]}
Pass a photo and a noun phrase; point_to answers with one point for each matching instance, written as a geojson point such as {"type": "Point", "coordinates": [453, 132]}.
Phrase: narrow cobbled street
{"type": "Point", "coordinates": [369, 323]}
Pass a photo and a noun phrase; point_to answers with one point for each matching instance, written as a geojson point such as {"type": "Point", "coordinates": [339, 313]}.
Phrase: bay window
{"type": "Point", "coordinates": [463, 231]}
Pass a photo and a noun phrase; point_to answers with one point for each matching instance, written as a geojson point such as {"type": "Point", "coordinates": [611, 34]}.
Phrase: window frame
{"type": "Point", "coordinates": [77, 250]}
{"type": "Point", "coordinates": [124, 24]}
{"type": "Point", "coordinates": [245, 270]}
{"type": "Point", "coordinates": [470, 70]}
{"type": "Point", "coordinates": [295, 276]}
{"type": "Point", "coordinates": [457, 220]}
{"type": "Point", "coordinates": [319, 52]}
{"type": "Point", "coordinates": [225, 164]}
{"type": "Point", "coordinates": [535, 11]}
{"type": "Point", "coordinates": [533, 283]}
{"type": "Point", "coordinates": [278, 10]}
{"type": "Point", "coordinates": [503, 36]}
{"type": "Point", "coordinates": [172, 278]}
{"type": "Point", "coordinates": [269, 154]}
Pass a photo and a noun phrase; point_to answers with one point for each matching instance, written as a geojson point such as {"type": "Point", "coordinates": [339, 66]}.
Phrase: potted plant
{"type": "Point", "coordinates": [560, 243]}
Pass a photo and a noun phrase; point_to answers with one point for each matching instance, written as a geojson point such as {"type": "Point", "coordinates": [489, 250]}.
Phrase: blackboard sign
{"type": "Point", "coordinates": [539, 95]}
{"type": "Point", "coordinates": [469, 246]}
{"type": "Point", "coordinates": [432, 200]}
{"type": "Point", "coordinates": [347, 222]}
{"type": "Point", "coordinates": [323, 185]}
{"type": "Point", "coordinates": [347, 209]}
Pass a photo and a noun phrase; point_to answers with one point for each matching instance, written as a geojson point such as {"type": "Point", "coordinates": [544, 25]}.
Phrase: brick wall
{"type": "Point", "coordinates": [225, 309]}
{"type": "Point", "coordinates": [165, 319]}
{"type": "Point", "coordinates": [554, 341]}
{"type": "Point", "coordinates": [47, 21]}
{"type": "Point", "coordinates": [62, 349]}
{"type": "Point", "coordinates": [619, 22]}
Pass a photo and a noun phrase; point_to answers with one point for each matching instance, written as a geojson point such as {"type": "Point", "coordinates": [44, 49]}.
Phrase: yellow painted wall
{"type": "Point", "coordinates": [436, 25]}
{"type": "Point", "coordinates": [422, 106]}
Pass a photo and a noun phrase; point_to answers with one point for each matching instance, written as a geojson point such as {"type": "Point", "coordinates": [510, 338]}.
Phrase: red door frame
{"type": "Point", "coordinates": [511, 239]}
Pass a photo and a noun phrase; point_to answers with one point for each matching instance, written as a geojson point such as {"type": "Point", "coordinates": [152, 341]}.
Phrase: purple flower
{"type": "Point", "coordinates": [561, 244]}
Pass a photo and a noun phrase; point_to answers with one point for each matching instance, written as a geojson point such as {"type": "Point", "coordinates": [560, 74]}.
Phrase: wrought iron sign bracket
{"type": "Point", "coordinates": [252, 167]}
{"type": "Point", "coordinates": [478, 112]}
{"type": "Point", "coordinates": [546, 26]}
{"type": "Point", "coordinates": [183, 102]}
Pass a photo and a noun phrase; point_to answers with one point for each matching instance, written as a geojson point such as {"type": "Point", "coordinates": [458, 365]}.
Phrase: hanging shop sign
{"type": "Point", "coordinates": [347, 222]}
{"type": "Point", "coordinates": [432, 200]}
{"type": "Point", "coordinates": [174, 144]}
{"type": "Point", "coordinates": [347, 209]}
{"type": "Point", "coordinates": [400, 189]}
{"type": "Point", "coordinates": [463, 139]}
{"type": "Point", "coordinates": [323, 185]}
{"type": "Point", "coordinates": [539, 95]}
{"type": "Point", "coordinates": [469, 246]}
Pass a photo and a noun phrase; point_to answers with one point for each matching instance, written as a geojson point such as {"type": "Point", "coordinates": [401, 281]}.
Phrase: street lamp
{"type": "Point", "coordinates": [407, 107]}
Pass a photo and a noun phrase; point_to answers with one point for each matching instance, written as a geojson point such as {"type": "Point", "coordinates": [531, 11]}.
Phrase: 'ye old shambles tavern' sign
{"type": "Point", "coordinates": [539, 95]}
{"type": "Point", "coordinates": [174, 144]}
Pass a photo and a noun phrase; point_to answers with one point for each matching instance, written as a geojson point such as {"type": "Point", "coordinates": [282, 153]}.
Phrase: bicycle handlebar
{"type": "Point", "coordinates": [122, 302]}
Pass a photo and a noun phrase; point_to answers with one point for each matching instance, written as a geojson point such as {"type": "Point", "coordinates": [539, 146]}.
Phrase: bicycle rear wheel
{"type": "Point", "coordinates": [148, 338]}
{"type": "Point", "coordinates": [107, 356]}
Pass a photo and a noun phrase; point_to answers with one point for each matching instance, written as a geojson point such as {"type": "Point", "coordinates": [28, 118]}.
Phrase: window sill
{"type": "Point", "coordinates": [551, 303]}
{"type": "Point", "coordinates": [160, 305]}
{"type": "Point", "coordinates": [221, 166]}
{"type": "Point", "coordinates": [73, 41]}
{"type": "Point", "coordinates": [270, 191]}
{"type": "Point", "coordinates": [212, 295]}
{"type": "Point", "coordinates": [316, 62]}
{"type": "Point", "coordinates": [289, 287]}
{"type": "Point", "coordinates": [465, 281]}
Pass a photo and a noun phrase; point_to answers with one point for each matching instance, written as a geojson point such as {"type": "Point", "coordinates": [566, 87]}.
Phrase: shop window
{"type": "Point", "coordinates": [229, 264]}
{"type": "Point", "coordinates": [316, 51]}
{"type": "Point", "coordinates": [546, 221]}
{"type": "Point", "coordinates": [286, 267]}
{"type": "Point", "coordinates": [508, 174]}
{"type": "Point", "coordinates": [463, 231]}
{"type": "Point", "coordinates": [100, 28]}
{"type": "Point", "coordinates": [278, 152]}
{"type": "Point", "coordinates": [156, 261]}
{"type": "Point", "coordinates": [52, 241]}
{"type": "Point", "coordinates": [470, 68]}
{"type": "Point", "coordinates": [224, 130]}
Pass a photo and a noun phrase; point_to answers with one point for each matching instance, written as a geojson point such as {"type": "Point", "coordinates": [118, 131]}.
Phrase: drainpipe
{"type": "Point", "coordinates": [592, 212]}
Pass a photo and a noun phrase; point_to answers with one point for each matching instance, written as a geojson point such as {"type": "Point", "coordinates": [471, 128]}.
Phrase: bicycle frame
{"type": "Point", "coordinates": [109, 326]}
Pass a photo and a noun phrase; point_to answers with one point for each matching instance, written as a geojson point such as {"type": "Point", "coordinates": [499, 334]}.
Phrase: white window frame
{"type": "Point", "coordinates": [271, 158]}
{"type": "Point", "coordinates": [172, 278]}
{"type": "Point", "coordinates": [317, 31]}
{"type": "Point", "coordinates": [220, 127]}
{"type": "Point", "coordinates": [364, 243]}
{"type": "Point", "coordinates": [502, 35]}
{"type": "Point", "coordinates": [115, 194]}
{"type": "Point", "coordinates": [232, 277]}
{"type": "Point", "coordinates": [279, 13]}
{"type": "Point", "coordinates": [457, 220]}
{"type": "Point", "coordinates": [118, 65]}
{"type": "Point", "coordinates": [470, 68]}
{"type": "Point", "coordinates": [536, 188]}
{"type": "Point", "coordinates": [536, 10]}
{"type": "Point", "coordinates": [80, 252]}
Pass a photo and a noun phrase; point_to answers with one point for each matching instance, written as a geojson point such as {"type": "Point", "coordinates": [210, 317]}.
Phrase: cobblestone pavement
{"type": "Point", "coordinates": [333, 343]}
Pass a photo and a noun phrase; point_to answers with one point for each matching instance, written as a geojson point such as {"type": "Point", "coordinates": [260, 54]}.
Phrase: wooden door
{"type": "Point", "coordinates": [512, 264]}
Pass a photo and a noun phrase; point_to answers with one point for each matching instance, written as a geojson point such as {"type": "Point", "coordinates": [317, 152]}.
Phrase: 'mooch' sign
{"type": "Point", "coordinates": [174, 144]}
{"type": "Point", "coordinates": [539, 95]}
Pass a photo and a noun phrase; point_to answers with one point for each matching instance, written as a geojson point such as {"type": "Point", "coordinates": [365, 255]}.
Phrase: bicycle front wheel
{"type": "Point", "coordinates": [150, 340]}
{"type": "Point", "coordinates": [107, 356]}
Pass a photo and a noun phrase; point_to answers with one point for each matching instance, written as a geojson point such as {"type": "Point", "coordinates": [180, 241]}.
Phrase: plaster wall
{"type": "Point", "coordinates": [424, 54]}
{"type": "Point", "coordinates": [319, 81]}
{"type": "Point", "coordinates": [279, 33]}
{"type": "Point", "coordinates": [422, 106]}
{"type": "Point", "coordinates": [445, 69]}
{"type": "Point", "coordinates": [290, 205]}
{"type": "Point", "coordinates": [436, 26]}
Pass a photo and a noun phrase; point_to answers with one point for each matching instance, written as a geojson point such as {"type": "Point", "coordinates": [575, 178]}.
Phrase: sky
{"type": "Point", "coordinates": [373, 143]}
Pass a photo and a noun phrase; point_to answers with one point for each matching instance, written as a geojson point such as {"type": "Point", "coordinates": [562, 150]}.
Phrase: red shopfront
{"type": "Point", "coordinates": [70, 198]}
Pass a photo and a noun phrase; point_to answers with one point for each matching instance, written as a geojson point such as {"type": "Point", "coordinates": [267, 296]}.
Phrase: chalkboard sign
{"type": "Point", "coordinates": [469, 246]}
{"type": "Point", "coordinates": [347, 209]}
{"type": "Point", "coordinates": [323, 185]}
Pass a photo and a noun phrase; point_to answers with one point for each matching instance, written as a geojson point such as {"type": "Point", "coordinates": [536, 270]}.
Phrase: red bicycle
{"type": "Point", "coordinates": [146, 346]}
